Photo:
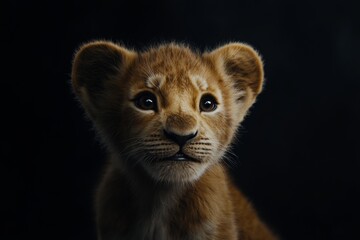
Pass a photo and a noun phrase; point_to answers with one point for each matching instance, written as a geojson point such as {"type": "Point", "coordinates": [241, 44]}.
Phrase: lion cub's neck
{"type": "Point", "coordinates": [165, 210]}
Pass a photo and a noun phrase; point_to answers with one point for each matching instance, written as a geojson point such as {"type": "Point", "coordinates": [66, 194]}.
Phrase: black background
{"type": "Point", "coordinates": [298, 149]}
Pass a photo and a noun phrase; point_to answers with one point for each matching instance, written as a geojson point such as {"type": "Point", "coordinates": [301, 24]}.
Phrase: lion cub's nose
{"type": "Point", "coordinates": [180, 139]}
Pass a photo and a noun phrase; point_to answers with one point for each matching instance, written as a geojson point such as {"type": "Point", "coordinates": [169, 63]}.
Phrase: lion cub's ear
{"type": "Point", "coordinates": [96, 66]}
{"type": "Point", "coordinates": [241, 64]}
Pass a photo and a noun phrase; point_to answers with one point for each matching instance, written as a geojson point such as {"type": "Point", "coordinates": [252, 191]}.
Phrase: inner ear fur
{"type": "Point", "coordinates": [96, 64]}
{"type": "Point", "coordinates": [241, 64]}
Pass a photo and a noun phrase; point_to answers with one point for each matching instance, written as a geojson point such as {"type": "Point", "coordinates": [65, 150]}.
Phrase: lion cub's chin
{"type": "Point", "coordinates": [178, 171]}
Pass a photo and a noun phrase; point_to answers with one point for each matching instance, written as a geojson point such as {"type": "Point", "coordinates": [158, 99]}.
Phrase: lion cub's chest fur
{"type": "Point", "coordinates": [200, 211]}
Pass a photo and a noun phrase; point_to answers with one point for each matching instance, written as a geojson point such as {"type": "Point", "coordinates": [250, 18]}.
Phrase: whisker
{"type": "Point", "coordinates": [230, 158]}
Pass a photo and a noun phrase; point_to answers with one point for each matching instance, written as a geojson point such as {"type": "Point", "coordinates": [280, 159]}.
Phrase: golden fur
{"type": "Point", "coordinates": [167, 116]}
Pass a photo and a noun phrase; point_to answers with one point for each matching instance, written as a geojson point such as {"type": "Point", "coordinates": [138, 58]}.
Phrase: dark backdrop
{"type": "Point", "coordinates": [298, 150]}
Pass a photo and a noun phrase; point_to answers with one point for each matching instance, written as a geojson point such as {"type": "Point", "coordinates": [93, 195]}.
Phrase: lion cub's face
{"type": "Point", "coordinates": [168, 110]}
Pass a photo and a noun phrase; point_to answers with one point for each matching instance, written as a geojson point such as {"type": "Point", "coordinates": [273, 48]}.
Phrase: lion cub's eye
{"type": "Point", "coordinates": [208, 103]}
{"type": "Point", "coordinates": [145, 101]}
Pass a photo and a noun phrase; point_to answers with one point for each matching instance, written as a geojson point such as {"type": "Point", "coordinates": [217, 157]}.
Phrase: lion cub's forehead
{"type": "Point", "coordinates": [170, 57]}
{"type": "Point", "coordinates": [172, 66]}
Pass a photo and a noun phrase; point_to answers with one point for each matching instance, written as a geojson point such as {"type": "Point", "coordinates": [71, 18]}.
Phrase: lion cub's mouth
{"type": "Point", "coordinates": [180, 156]}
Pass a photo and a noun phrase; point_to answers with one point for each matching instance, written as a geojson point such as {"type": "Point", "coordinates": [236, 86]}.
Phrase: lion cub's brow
{"type": "Point", "coordinates": [200, 82]}
{"type": "Point", "coordinates": [156, 81]}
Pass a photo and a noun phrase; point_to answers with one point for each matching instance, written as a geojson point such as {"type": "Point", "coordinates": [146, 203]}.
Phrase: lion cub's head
{"type": "Point", "coordinates": [169, 110]}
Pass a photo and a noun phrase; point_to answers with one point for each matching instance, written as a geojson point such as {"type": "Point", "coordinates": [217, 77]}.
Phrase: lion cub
{"type": "Point", "coordinates": [167, 116]}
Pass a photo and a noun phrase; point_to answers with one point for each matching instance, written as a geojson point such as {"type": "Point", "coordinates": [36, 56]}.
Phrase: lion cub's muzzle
{"type": "Point", "coordinates": [181, 140]}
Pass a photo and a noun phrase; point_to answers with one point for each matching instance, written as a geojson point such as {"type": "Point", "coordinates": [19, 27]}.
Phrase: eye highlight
{"type": "Point", "coordinates": [208, 103]}
{"type": "Point", "coordinates": [146, 101]}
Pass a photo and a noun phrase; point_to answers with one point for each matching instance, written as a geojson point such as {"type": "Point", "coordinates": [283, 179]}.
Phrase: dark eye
{"type": "Point", "coordinates": [208, 103]}
{"type": "Point", "coordinates": [146, 101]}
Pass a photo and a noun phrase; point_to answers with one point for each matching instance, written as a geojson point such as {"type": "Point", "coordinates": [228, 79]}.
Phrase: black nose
{"type": "Point", "coordinates": [180, 139]}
